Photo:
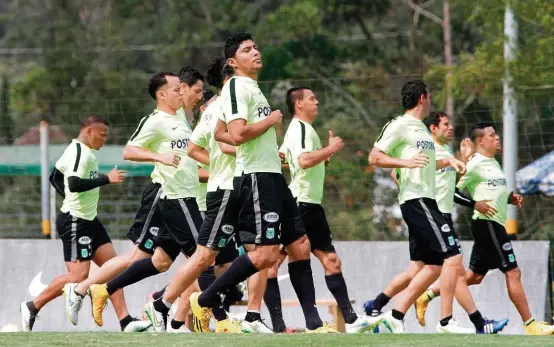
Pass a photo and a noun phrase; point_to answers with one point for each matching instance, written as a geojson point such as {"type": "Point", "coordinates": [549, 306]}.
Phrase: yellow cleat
{"type": "Point", "coordinates": [227, 326]}
{"type": "Point", "coordinates": [99, 298]}
{"type": "Point", "coordinates": [539, 328]}
{"type": "Point", "coordinates": [326, 328]}
{"type": "Point", "coordinates": [201, 315]}
{"type": "Point", "coordinates": [421, 307]}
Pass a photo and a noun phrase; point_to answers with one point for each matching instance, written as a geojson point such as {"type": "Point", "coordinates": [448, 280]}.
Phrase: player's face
{"type": "Point", "coordinates": [445, 131]}
{"type": "Point", "coordinates": [309, 104]}
{"type": "Point", "coordinates": [490, 140]}
{"type": "Point", "coordinates": [97, 133]}
{"type": "Point", "coordinates": [170, 93]}
{"type": "Point", "coordinates": [248, 58]}
{"type": "Point", "coordinates": [192, 95]}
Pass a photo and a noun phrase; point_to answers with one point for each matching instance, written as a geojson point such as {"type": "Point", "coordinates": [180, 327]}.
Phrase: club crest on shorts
{"type": "Point", "coordinates": [270, 233]}
{"type": "Point", "coordinates": [451, 240]}
{"type": "Point", "coordinates": [148, 244]}
{"type": "Point", "coordinates": [271, 217]}
{"type": "Point", "coordinates": [154, 231]}
{"type": "Point", "coordinates": [507, 246]}
{"type": "Point", "coordinates": [222, 243]}
{"type": "Point", "coordinates": [445, 228]}
{"type": "Point", "coordinates": [84, 253]}
{"type": "Point", "coordinates": [511, 258]}
{"type": "Point", "coordinates": [227, 229]}
{"type": "Point", "coordinates": [84, 240]}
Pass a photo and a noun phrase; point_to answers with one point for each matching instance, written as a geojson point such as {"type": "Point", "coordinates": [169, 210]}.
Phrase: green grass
{"type": "Point", "coordinates": [212, 340]}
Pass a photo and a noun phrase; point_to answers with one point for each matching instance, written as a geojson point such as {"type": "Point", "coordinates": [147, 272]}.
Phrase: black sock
{"type": "Point", "coordinates": [32, 308]}
{"type": "Point", "coordinates": [157, 295]}
{"type": "Point", "coordinates": [160, 306]}
{"type": "Point", "coordinates": [206, 278]}
{"type": "Point", "coordinates": [445, 320]}
{"type": "Point", "coordinates": [240, 270]}
{"type": "Point", "coordinates": [272, 299]}
{"type": "Point", "coordinates": [252, 316]}
{"type": "Point", "coordinates": [175, 324]}
{"type": "Point", "coordinates": [302, 281]}
{"type": "Point", "coordinates": [398, 315]}
{"type": "Point", "coordinates": [337, 287]}
{"type": "Point", "coordinates": [477, 320]}
{"type": "Point", "coordinates": [137, 272]}
{"type": "Point", "coordinates": [219, 312]}
{"type": "Point", "coordinates": [125, 321]}
{"type": "Point", "coordinates": [380, 301]}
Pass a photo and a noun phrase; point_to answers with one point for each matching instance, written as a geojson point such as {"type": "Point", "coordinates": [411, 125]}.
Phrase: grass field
{"type": "Point", "coordinates": [212, 340]}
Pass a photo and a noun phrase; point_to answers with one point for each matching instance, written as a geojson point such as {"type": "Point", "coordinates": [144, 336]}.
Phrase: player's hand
{"type": "Point", "coordinates": [466, 149]}
{"type": "Point", "coordinates": [335, 142]}
{"type": "Point", "coordinates": [516, 199]}
{"type": "Point", "coordinates": [282, 157]}
{"type": "Point", "coordinates": [484, 208]}
{"type": "Point", "coordinates": [170, 159]}
{"type": "Point", "coordinates": [418, 161]}
{"type": "Point", "coordinates": [276, 118]}
{"type": "Point", "coordinates": [327, 160]}
{"type": "Point", "coordinates": [458, 165]}
{"type": "Point", "coordinates": [116, 176]}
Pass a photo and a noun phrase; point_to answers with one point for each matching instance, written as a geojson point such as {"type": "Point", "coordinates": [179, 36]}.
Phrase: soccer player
{"type": "Point", "coordinates": [162, 138]}
{"type": "Point", "coordinates": [406, 144]}
{"type": "Point", "coordinates": [442, 131]}
{"type": "Point", "coordinates": [492, 249]}
{"type": "Point", "coordinates": [306, 159]}
{"type": "Point", "coordinates": [76, 178]}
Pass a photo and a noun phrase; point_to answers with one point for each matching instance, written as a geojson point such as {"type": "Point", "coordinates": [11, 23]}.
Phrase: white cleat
{"type": "Point", "coordinates": [158, 320]}
{"type": "Point", "coordinates": [453, 328]}
{"type": "Point", "coordinates": [182, 330]}
{"type": "Point", "coordinates": [73, 303]}
{"type": "Point", "coordinates": [394, 325]}
{"type": "Point", "coordinates": [256, 327]}
{"type": "Point", "coordinates": [137, 326]}
{"type": "Point", "coordinates": [27, 320]}
{"type": "Point", "coordinates": [363, 324]}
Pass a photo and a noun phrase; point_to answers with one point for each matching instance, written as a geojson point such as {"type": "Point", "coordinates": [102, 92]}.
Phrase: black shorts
{"type": "Point", "coordinates": [492, 248]}
{"type": "Point", "coordinates": [148, 220]}
{"type": "Point", "coordinates": [317, 228]}
{"type": "Point", "coordinates": [80, 237]}
{"type": "Point", "coordinates": [228, 253]}
{"type": "Point", "coordinates": [220, 223]}
{"type": "Point", "coordinates": [182, 220]}
{"type": "Point", "coordinates": [269, 210]}
{"type": "Point", "coordinates": [450, 222]}
{"type": "Point", "coordinates": [432, 240]}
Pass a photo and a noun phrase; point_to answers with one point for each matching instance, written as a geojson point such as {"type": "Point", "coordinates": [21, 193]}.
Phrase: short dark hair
{"type": "Point", "coordinates": [157, 81]}
{"type": "Point", "coordinates": [411, 92]}
{"type": "Point", "coordinates": [190, 75]}
{"type": "Point", "coordinates": [434, 119]}
{"type": "Point", "coordinates": [214, 74]}
{"type": "Point", "coordinates": [233, 42]}
{"type": "Point", "coordinates": [478, 130]}
{"type": "Point", "coordinates": [91, 119]}
{"type": "Point", "coordinates": [293, 95]}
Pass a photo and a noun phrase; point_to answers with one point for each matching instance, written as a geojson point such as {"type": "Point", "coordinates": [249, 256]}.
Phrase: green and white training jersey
{"type": "Point", "coordinates": [485, 180]}
{"type": "Point", "coordinates": [202, 191]}
{"type": "Point", "coordinates": [200, 138]}
{"type": "Point", "coordinates": [243, 99]}
{"type": "Point", "coordinates": [163, 133]}
{"type": "Point", "coordinates": [445, 180]}
{"type": "Point", "coordinates": [306, 184]}
{"type": "Point", "coordinates": [403, 137]}
{"type": "Point", "coordinates": [78, 160]}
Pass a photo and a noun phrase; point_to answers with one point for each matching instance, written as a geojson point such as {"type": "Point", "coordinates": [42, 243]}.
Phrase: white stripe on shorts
{"type": "Point", "coordinates": [219, 217]}
{"type": "Point", "coordinates": [433, 225]}
{"type": "Point", "coordinates": [257, 209]}
{"type": "Point", "coordinates": [188, 216]}
{"type": "Point", "coordinates": [149, 216]}
{"type": "Point", "coordinates": [496, 244]}
{"type": "Point", "coordinates": [73, 238]}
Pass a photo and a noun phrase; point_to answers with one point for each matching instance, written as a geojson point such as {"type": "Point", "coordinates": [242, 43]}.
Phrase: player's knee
{"type": "Point", "coordinates": [78, 276]}
{"type": "Point", "coordinates": [454, 261]}
{"type": "Point", "coordinates": [514, 274]}
{"type": "Point", "coordinates": [265, 257]}
{"type": "Point", "coordinates": [272, 272]}
{"type": "Point", "coordinates": [203, 257]}
{"type": "Point", "coordinates": [332, 263]}
{"type": "Point", "coordinates": [474, 279]}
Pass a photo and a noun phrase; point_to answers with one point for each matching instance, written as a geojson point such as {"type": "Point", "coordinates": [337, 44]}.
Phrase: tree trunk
{"type": "Point", "coordinates": [447, 36]}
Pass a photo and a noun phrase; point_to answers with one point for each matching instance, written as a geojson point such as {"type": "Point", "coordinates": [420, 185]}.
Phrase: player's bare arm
{"type": "Point", "coordinates": [458, 165]}
{"type": "Point", "coordinates": [198, 153]}
{"type": "Point", "coordinates": [380, 159]}
{"type": "Point", "coordinates": [138, 154]}
{"type": "Point", "coordinates": [241, 132]}
{"type": "Point", "coordinates": [203, 175]}
{"type": "Point", "coordinates": [221, 134]}
{"type": "Point", "coordinates": [311, 159]}
{"type": "Point", "coordinates": [227, 149]}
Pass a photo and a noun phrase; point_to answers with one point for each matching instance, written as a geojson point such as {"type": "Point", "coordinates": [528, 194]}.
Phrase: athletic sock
{"type": "Point", "coordinates": [431, 295]}
{"type": "Point", "coordinates": [74, 291]}
{"type": "Point", "coordinates": [337, 287]}
{"type": "Point", "coordinates": [161, 306]}
{"type": "Point", "coordinates": [159, 294]}
{"type": "Point", "coordinates": [125, 321]}
{"type": "Point", "coordinates": [175, 324]}
{"type": "Point", "coordinates": [380, 301]}
{"type": "Point", "coordinates": [530, 321]}
{"type": "Point", "coordinates": [252, 316]}
{"type": "Point", "coordinates": [398, 315]}
{"type": "Point", "coordinates": [478, 321]}
{"type": "Point", "coordinates": [272, 299]}
{"type": "Point", "coordinates": [218, 310]}
{"type": "Point", "coordinates": [140, 270]}
{"type": "Point", "coordinates": [206, 278]}
{"type": "Point", "coordinates": [32, 308]}
{"type": "Point", "coordinates": [445, 320]}
{"type": "Point", "coordinates": [302, 281]}
{"type": "Point", "coordinates": [240, 270]}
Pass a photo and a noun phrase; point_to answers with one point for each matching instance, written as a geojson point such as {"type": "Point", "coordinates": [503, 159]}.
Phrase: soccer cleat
{"type": "Point", "coordinates": [137, 326]}
{"type": "Point", "coordinates": [200, 315]}
{"type": "Point", "coordinates": [453, 328]}
{"type": "Point", "coordinates": [421, 307]}
{"type": "Point", "coordinates": [99, 299]}
{"type": "Point", "coordinates": [27, 319]}
{"type": "Point", "coordinates": [182, 330]}
{"type": "Point", "coordinates": [363, 324]}
{"type": "Point", "coordinates": [158, 319]}
{"type": "Point", "coordinates": [326, 328]}
{"type": "Point", "coordinates": [73, 303]}
{"type": "Point", "coordinates": [370, 310]}
{"type": "Point", "coordinates": [257, 326]}
{"type": "Point", "coordinates": [493, 326]}
{"type": "Point", "coordinates": [539, 328]}
{"type": "Point", "coordinates": [395, 326]}
{"type": "Point", "coordinates": [226, 326]}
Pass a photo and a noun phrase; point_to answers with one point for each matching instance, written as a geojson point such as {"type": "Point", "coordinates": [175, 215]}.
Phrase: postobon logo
{"type": "Point", "coordinates": [227, 229]}
{"type": "Point", "coordinates": [154, 231]}
{"type": "Point", "coordinates": [84, 240]}
{"type": "Point", "coordinates": [271, 217]}
{"type": "Point", "coordinates": [445, 228]}
{"type": "Point", "coordinates": [507, 246]}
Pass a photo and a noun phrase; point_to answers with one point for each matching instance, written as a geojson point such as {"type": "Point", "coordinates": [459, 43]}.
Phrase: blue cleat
{"type": "Point", "coordinates": [493, 326]}
{"type": "Point", "coordinates": [370, 311]}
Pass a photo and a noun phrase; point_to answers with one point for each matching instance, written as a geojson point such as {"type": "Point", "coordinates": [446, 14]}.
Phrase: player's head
{"type": "Point", "coordinates": [192, 83]}
{"type": "Point", "coordinates": [165, 88]}
{"type": "Point", "coordinates": [215, 75]}
{"type": "Point", "coordinates": [94, 129]}
{"type": "Point", "coordinates": [302, 101]}
{"type": "Point", "coordinates": [484, 136]}
{"type": "Point", "coordinates": [439, 125]}
{"type": "Point", "coordinates": [242, 54]}
{"type": "Point", "coordinates": [416, 95]}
